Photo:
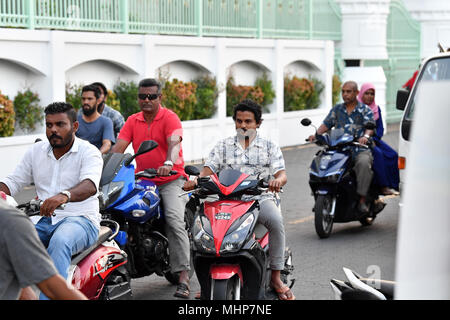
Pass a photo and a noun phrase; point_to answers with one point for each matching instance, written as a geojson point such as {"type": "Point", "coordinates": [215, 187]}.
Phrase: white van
{"type": "Point", "coordinates": [435, 68]}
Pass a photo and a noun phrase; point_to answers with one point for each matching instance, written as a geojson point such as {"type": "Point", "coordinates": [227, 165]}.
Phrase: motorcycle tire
{"type": "Point", "coordinates": [323, 222]}
{"type": "Point", "coordinates": [226, 289]}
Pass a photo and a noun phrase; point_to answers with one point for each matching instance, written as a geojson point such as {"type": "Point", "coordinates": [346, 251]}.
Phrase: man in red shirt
{"type": "Point", "coordinates": [162, 125]}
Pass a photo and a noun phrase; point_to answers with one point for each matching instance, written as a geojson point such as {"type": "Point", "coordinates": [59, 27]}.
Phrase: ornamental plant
{"type": "Point", "coordinates": [112, 100]}
{"type": "Point", "coordinates": [336, 89]}
{"type": "Point", "coordinates": [180, 97]}
{"type": "Point", "coordinates": [267, 88]}
{"type": "Point", "coordinates": [126, 93]}
{"type": "Point", "coordinates": [7, 116]}
{"type": "Point", "coordinates": [237, 93]}
{"type": "Point", "coordinates": [28, 111]}
{"type": "Point", "coordinates": [206, 93]}
{"type": "Point", "coordinates": [302, 93]}
{"type": "Point", "coordinates": [73, 95]}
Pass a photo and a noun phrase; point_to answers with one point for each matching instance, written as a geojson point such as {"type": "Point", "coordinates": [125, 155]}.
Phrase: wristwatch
{"type": "Point", "coordinates": [67, 193]}
{"type": "Point", "coordinates": [168, 163]}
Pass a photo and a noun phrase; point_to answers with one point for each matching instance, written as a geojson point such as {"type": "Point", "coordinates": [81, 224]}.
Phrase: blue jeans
{"type": "Point", "coordinates": [64, 239]}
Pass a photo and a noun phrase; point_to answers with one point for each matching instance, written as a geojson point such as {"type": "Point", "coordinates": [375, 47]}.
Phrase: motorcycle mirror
{"type": "Point", "coordinates": [305, 122]}
{"type": "Point", "coordinates": [145, 146]}
{"type": "Point", "coordinates": [192, 171]}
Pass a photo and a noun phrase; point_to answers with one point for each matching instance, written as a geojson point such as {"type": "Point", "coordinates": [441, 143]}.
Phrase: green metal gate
{"type": "Point", "coordinates": [403, 45]}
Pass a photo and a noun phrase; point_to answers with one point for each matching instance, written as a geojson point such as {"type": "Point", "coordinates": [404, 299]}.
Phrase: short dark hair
{"type": "Point", "coordinates": [249, 105]}
{"type": "Point", "coordinates": [62, 107]}
{"type": "Point", "coordinates": [100, 85]}
{"type": "Point", "coordinates": [93, 88]}
{"type": "Point", "coordinates": [150, 82]}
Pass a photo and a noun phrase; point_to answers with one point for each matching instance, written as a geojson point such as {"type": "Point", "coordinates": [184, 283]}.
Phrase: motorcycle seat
{"type": "Point", "coordinates": [103, 235]}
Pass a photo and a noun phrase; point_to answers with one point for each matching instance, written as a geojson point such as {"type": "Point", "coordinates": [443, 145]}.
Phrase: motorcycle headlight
{"type": "Point", "coordinates": [109, 193]}
{"type": "Point", "coordinates": [234, 241]}
{"type": "Point", "coordinates": [203, 240]}
{"type": "Point", "coordinates": [333, 178]}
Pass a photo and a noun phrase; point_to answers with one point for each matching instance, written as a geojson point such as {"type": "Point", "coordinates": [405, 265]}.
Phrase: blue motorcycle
{"type": "Point", "coordinates": [134, 202]}
{"type": "Point", "coordinates": [333, 183]}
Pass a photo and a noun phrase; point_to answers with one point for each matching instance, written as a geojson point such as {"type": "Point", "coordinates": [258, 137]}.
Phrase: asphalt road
{"type": "Point", "coordinates": [370, 251]}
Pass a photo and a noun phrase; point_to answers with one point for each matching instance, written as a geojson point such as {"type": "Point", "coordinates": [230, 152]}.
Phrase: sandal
{"type": "Point", "coordinates": [182, 291]}
{"type": "Point", "coordinates": [284, 292]}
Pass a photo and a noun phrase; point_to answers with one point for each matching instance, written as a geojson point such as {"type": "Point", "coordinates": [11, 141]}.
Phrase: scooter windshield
{"type": "Point", "coordinates": [336, 137]}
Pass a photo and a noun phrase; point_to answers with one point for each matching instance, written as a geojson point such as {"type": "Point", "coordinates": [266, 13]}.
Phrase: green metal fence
{"type": "Point", "coordinates": [299, 19]}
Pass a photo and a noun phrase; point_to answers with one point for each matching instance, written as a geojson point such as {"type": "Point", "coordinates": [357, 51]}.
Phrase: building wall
{"type": "Point", "coordinates": [46, 60]}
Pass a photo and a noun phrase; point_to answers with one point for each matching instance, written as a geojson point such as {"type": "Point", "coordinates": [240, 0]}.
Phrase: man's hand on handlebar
{"type": "Point", "coordinates": [164, 170]}
{"type": "Point", "coordinates": [190, 185]}
{"type": "Point", "coordinates": [49, 205]}
{"type": "Point", "coordinates": [275, 185]}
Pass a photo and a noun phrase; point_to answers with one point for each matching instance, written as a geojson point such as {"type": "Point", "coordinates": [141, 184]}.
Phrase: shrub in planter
{"type": "Point", "coordinates": [73, 95]}
{"type": "Point", "coordinates": [180, 97]}
{"type": "Point", "coordinates": [7, 116]}
{"type": "Point", "coordinates": [127, 93]}
{"type": "Point", "coordinates": [112, 100]}
{"type": "Point", "coordinates": [206, 94]}
{"type": "Point", "coordinates": [301, 94]}
{"type": "Point", "coordinates": [336, 90]}
{"type": "Point", "coordinates": [237, 93]}
{"type": "Point", "coordinates": [28, 111]}
{"type": "Point", "coordinates": [266, 86]}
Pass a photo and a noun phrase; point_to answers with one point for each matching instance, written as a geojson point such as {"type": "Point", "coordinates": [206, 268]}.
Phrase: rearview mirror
{"type": "Point", "coordinates": [192, 171]}
{"type": "Point", "coordinates": [402, 98]}
{"type": "Point", "coordinates": [305, 122]}
{"type": "Point", "coordinates": [145, 147]}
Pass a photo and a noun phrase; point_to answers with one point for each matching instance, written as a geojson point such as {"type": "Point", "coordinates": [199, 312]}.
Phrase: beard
{"type": "Point", "coordinates": [248, 134]}
{"type": "Point", "coordinates": [60, 142]}
{"type": "Point", "coordinates": [89, 112]}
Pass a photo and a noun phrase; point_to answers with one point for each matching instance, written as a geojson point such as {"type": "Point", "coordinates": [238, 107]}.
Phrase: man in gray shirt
{"type": "Point", "coordinates": [94, 127]}
{"type": "Point", "coordinates": [25, 262]}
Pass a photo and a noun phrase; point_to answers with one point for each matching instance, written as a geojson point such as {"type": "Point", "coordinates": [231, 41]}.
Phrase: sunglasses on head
{"type": "Point", "coordinates": [144, 96]}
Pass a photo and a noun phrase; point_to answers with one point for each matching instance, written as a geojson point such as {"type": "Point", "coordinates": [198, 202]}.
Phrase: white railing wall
{"type": "Point", "coordinates": [45, 60]}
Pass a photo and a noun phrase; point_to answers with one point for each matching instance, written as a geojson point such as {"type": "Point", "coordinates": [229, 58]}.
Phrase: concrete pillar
{"type": "Point", "coordinates": [434, 18]}
{"type": "Point", "coordinates": [364, 24]}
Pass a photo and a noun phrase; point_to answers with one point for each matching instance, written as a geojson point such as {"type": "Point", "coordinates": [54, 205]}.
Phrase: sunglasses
{"type": "Point", "coordinates": [153, 96]}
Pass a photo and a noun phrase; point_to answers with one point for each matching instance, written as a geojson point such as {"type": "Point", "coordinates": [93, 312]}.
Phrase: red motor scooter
{"type": "Point", "coordinates": [230, 249]}
{"type": "Point", "coordinates": [99, 271]}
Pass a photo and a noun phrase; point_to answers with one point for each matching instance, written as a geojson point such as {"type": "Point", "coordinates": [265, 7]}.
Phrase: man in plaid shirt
{"type": "Point", "coordinates": [254, 155]}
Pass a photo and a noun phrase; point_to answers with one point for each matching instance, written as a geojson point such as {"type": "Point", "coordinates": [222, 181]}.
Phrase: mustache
{"type": "Point", "coordinates": [54, 136]}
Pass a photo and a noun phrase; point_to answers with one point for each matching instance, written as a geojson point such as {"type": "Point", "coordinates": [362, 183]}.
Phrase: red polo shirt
{"type": "Point", "coordinates": [165, 124]}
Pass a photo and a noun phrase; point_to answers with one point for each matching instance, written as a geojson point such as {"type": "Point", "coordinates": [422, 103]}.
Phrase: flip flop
{"type": "Point", "coordinates": [283, 292]}
{"type": "Point", "coordinates": [182, 291]}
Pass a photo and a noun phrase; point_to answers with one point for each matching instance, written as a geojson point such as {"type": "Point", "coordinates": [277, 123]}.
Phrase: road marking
{"type": "Point", "coordinates": [302, 220]}
{"type": "Point", "coordinates": [310, 218]}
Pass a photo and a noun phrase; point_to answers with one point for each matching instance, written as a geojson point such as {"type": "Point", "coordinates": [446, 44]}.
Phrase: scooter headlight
{"type": "Point", "coordinates": [203, 240]}
{"type": "Point", "coordinates": [234, 241]}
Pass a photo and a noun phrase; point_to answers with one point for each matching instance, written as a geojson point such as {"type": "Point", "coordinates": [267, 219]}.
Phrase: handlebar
{"type": "Point", "coordinates": [151, 173]}
{"type": "Point", "coordinates": [33, 207]}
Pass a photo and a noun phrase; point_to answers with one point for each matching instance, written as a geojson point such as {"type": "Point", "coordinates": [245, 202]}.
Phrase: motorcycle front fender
{"type": "Point", "coordinates": [223, 272]}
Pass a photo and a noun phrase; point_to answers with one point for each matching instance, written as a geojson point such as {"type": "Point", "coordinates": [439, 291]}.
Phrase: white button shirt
{"type": "Point", "coordinates": [51, 176]}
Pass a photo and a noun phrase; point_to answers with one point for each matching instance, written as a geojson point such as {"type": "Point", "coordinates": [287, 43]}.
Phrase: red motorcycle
{"type": "Point", "coordinates": [99, 271]}
{"type": "Point", "coordinates": [230, 249]}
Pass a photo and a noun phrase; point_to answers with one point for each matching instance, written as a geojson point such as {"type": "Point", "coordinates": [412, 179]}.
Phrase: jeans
{"type": "Point", "coordinates": [64, 239]}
